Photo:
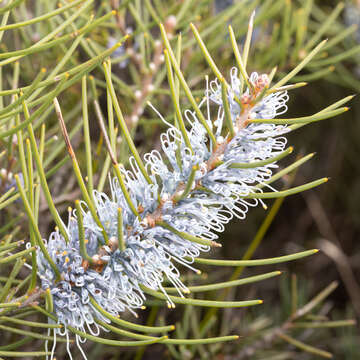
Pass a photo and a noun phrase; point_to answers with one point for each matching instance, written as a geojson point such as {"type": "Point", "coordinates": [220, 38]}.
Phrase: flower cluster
{"type": "Point", "coordinates": [194, 191]}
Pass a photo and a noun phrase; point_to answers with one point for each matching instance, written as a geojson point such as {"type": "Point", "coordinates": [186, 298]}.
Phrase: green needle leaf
{"type": "Point", "coordinates": [35, 228]}
{"type": "Point", "coordinates": [30, 323]}
{"type": "Point", "coordinates": [227, 284]}
{"type": "Point", "coordinates": [81, 229]}
{"type": "Point", "coordinates": [305, 119]}
{"type": "Point", "coordinates": [323, 324]}
{"type": "Point", "coordinates": [77, 70]}
{"type": "Point", "coordinates": [31, 334]}
{"type": "Point", "coordinates": [9, 305]}
{"type": "Point", "coordinates": [18, 254]}
{"type": "Point", "coordinates": [185, 85]}
{"type": "Point", "coordinates": [87, 135]}
{"type": "Point", "coordinates": [26, 93]}
{"type": "Point", "coordinates": [228, 118]}
{"type": "Point", "coordinates": [39, 111]}
{"type": "Point", "coordinates": [23, 354]}
{"type": "Point", "coordinates": [171, 341]}
{"type": "Point", "coordinates": [76, 167]}
{"type": "Point", "coordinates": [175, 100]}
{"type": "Point", "coordinates": [287, 170]}
{"type": "Point", "coordinates": [120, 231]}
{"type": "Point", "coordinates": [238, 57]}
{"type": "Point", "coordinates": [114, 161]}
{"type": "Point", "coordinates": [16, 344]}
{"type": "Point", "coordinates": [130, 325]}
{"type": "Point", "coordinates": [259, 262]}
{"type": "Point", "coordinates": [305, 347]}
{"type": "Point", "coordinates": [10, 6]}
{"type": "Point", "coordinates": [188, 186]}
{"type": "Point", "coordinates": [206, 53]}
{"type": "Point", "coordinates": [337, 58]}
{"type": "Point", "coordinates": [123, 125]}
{"type": "Point", "coordinates": [283, 193]}
{"type": "Point", "coordinates": [316, 300]}
{"type": "Point", "coordinates": [100, 340]}
{"type": "Point", "coordinates": [271, 160]}
{"type": "Point", "coordinates": [49, 36]}
{"type": "Point", "coordinates": [299, 67]}
{"type": "Point", "coordinates": [248, 39]}
{"type": "Point", "coordinates": [46, 16]}
{"type": "Point", "coordinates": [197, 302]}
{"type": "Point", "coordinates": [42, 178]}
{"type": "Point", "coordinates": [187, 236]}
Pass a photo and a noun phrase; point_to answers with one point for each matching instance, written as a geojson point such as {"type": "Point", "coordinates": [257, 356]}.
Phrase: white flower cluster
{"type": "Point", "coordinates": [171, 222]}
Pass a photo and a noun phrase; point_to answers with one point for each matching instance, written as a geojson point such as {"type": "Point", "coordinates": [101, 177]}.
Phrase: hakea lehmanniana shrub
{"type": "Point", "coordinates": [169, 211]}
{"type": "Point", "coordinates": [198, 197]}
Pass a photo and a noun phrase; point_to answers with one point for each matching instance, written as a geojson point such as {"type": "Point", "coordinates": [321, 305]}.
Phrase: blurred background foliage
{"type": "Point", "coordinates": [327, 218]}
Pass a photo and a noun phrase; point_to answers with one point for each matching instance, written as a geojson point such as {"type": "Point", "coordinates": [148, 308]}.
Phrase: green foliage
{"type": "Point", "coordinates": [84, 54]}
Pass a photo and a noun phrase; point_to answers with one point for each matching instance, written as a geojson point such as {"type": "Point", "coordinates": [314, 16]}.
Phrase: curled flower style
{"type": "Point", "coordinates": [193, 193]}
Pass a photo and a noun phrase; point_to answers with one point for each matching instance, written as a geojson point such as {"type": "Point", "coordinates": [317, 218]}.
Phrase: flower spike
{"type": "Point", "coordinates": [168, 207]}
